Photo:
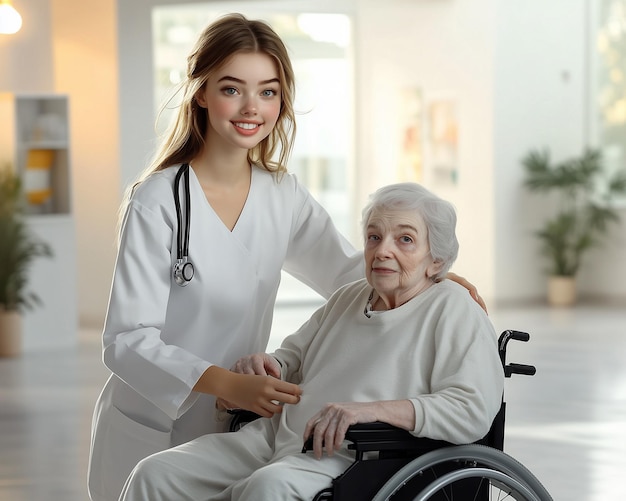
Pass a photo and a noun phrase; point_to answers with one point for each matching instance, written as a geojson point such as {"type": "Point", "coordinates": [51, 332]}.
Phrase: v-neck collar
{"type": "Point", "coordinates": [193, 180]}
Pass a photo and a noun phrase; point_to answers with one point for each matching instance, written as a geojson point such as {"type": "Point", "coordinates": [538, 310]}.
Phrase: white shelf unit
{"type": "Point", "coordinates": [54, 323]}
{"type": "Point", "coordinates": [40, 122]}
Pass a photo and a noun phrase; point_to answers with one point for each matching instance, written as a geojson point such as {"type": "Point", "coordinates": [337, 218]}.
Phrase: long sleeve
{"type": "Point", "coordinates": [133, 346]}
{"type": "Point", "coordinates": [466, 378]}
{"type": "Point", "coordinates": [318, 254]}
{"type": "Point", "coordinates": [293, 349]}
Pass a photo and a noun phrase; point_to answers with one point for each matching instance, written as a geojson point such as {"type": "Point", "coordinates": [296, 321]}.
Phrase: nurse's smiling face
{"type": "Point", "coordinates": [243, 100]}
{"type": "Point", "coordinates": [398, 264]}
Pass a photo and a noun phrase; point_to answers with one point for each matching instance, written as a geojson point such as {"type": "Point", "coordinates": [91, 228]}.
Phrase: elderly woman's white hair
{"type": "Point", "coordinates": [438, 215]}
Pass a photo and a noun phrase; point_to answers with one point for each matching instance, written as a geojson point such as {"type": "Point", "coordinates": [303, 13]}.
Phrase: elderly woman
{"type": "Point", "coordinates": [400, 346]}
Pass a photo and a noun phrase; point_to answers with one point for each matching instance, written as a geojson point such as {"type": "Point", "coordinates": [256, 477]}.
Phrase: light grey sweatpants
{"type": "Point", "coordinates": [233, 466]}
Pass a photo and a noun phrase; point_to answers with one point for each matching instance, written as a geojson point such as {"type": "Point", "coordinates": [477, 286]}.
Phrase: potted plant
{"type": "Point", "coordinates": [585, 192]}
{"type": "Point", "coordinates": [18, 249]}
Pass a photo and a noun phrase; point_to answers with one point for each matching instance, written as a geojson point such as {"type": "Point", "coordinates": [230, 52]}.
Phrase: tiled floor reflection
{"type": "Point", "coordinates": [567, 424]}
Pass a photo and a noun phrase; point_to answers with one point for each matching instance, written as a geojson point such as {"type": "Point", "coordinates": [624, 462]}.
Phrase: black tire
{"type": "Point", "coordinates": [489, 484]}
{"type": "Point", "coordinates": [476, 455]}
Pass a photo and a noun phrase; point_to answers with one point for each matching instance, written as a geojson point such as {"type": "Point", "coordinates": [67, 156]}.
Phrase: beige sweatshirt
{"type": "Point", "coordinates": [439, 350]}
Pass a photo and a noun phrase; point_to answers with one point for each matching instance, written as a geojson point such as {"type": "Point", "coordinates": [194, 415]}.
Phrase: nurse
{"type": "Point", "coordinates": [168, 346]}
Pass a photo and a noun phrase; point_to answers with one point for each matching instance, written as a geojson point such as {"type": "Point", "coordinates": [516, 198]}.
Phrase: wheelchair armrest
{"type": "Point", "coordinates": [367, 437]}
{"type": "Point", "coordinates": [240, 417]}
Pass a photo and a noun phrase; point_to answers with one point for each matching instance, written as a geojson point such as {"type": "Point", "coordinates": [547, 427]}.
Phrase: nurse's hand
{"type": "Point", "coordinates": [470, 287]}
{"type": "Point", "coordinates": [261, 394]}
{"type": "Point", "coordinates": [264, 395]}
{"type": "Point", "coordinates": [261, 364]}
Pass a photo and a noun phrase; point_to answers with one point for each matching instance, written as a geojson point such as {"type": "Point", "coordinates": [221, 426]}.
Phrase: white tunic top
{"type": "Point", "coordinates": [159, 337]}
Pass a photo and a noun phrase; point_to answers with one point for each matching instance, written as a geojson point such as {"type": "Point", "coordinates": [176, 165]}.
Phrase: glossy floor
{"type": "Point", "coordinates": [567, 424]}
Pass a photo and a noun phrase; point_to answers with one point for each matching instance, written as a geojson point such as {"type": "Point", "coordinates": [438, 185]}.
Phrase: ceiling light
{"type": "Point", "coordinates": [10, 19]}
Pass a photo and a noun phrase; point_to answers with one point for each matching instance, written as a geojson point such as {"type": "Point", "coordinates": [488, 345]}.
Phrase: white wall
{"type": "Point", "coordinates": [70, 47]}
{"type": "Point", "coordinates": [26, 63]}
{"type": "Point", "coordinates": [85, 63]}
{"type": "Point", "coordinates": [517, 69]}
{"type": "Point", "coordinates": [540, 84]}
{"type": "Point", "coordinates": [445, 49]}
{"type": "Point", "coordinates": [603, 276]}
{"type": "Point", "coordinates": [542, 100]}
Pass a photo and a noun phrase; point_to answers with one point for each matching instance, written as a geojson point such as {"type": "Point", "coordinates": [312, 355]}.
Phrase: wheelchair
{"type": "Point", "coordinates": [391, 464]}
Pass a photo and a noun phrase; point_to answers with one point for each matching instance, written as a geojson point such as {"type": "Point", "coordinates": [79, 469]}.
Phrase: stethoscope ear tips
{"type": "Point", "coordinates": [183, 271]}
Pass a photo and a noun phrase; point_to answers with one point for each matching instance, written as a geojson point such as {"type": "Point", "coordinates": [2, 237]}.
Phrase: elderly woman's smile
{"type": "Point", "coordinates": [381, 269]}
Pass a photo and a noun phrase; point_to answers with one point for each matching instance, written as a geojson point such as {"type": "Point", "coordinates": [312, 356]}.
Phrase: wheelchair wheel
{"type": "Point", "coordinates": [489, 485]}
{"type": "Point", "coordinates": [484, 471]}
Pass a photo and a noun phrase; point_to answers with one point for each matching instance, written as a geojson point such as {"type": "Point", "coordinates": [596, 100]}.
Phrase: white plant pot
{"type": "Point", "coordinates": [10, 333]}
{"type": "Point", "coordinates": [561, 290]}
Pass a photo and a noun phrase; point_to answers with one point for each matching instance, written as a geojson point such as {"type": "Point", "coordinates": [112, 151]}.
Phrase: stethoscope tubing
{"type": "Point", "coordinates": [182, 239]}
{"type": "Point", "coordinates": [183, 269]}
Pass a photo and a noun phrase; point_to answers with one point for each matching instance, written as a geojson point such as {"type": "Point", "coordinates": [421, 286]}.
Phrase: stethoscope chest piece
{"type": "Point", "coordinates": [183, 269]}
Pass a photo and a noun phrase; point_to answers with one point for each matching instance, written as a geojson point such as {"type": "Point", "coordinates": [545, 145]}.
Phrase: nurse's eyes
{"type": "Point", "coordinates": [233, 91]}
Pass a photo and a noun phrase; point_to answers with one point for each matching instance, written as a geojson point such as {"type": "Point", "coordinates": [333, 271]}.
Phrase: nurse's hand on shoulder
{"type": "Point", "coordinates": [257, 393]}
{"type": "Point", "coordinates": [471, 288]}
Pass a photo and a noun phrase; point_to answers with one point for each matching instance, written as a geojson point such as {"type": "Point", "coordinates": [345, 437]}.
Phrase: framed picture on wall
{"type": "Point", "coordinates": [442, 141]}
{"type": "Point", "coordinates": [411, 136]}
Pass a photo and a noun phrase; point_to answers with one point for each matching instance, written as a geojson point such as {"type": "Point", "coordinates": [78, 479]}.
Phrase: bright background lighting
{"type": "Point", "coordinates": [10, 19]}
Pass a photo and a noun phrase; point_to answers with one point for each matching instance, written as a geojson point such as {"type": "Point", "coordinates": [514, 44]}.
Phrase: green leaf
{"type": "Point", "coordinates": [584, 214]}
{"type": "Point", "coordinates": [18, 246]}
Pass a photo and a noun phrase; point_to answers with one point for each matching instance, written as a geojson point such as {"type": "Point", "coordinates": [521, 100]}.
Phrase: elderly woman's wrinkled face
{"type": "Point", "coordinates": [398, 263]}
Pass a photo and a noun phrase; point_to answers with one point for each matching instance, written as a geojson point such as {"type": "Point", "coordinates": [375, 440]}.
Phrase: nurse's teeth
{"type": "Point", "coordinates": [248, 126]}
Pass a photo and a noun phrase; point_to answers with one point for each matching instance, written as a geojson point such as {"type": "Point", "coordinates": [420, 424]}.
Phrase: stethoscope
{"type": "Point", "coordinates": [183, 268]}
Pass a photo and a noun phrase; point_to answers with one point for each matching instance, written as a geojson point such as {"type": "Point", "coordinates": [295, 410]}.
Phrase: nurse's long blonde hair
{"type": "Point", "coordinates": [229, 35]}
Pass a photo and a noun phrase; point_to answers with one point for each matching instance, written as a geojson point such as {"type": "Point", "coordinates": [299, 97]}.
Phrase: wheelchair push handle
{"type": "Point", "coordinates": [507, 335]}
{"type": "Point", "coordinates": [509, 369]}
{"type": "Point", "coordinates": [525, 370]}
{"type": "Point", "coordinates": [520, 336]}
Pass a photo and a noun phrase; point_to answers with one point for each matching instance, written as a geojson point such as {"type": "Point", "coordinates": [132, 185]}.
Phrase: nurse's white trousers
{"type": "Point", "coordinates": [232, 466]}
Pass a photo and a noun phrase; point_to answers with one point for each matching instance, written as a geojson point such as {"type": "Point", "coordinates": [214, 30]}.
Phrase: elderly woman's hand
{"type": "Point", "coordinates": [261, 364]}
{"type": "Point", "coordinates": [329, 426]}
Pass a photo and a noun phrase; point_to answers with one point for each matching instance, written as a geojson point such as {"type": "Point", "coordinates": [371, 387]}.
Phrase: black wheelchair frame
{"type": "Point", "coordinates": [390, 463]}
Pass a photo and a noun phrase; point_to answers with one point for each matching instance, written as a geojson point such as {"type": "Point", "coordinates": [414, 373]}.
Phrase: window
{"type": "Point", "coordinates": [608, 80]}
